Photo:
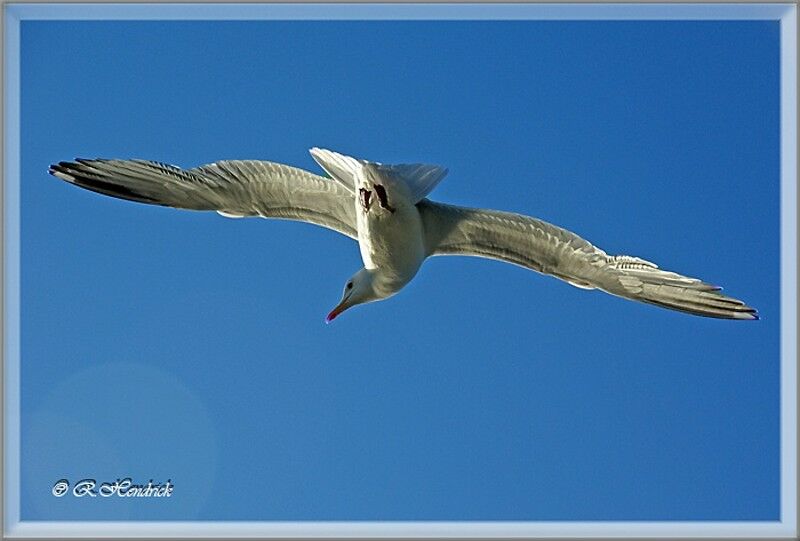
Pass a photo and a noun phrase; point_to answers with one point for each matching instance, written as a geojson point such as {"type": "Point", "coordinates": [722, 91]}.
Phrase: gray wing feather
{"type": "Point", "coordinates": [233, 188]}
{"type": "Point", "coordinates": [546, 248]}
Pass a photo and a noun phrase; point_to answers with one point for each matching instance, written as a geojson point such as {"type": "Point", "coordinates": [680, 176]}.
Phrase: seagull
{"type": "Point", "coordinates": [386, 210]}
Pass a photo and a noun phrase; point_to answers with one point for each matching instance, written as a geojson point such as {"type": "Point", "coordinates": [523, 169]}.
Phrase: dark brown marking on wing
{"type": "Point", "coordinates": [384, 200]}
{"type": "Point", "coordinates": [365, 198]}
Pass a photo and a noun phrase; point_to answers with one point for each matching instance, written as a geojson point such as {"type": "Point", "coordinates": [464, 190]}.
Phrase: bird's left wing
{"type": "Point", "coordinates": [546, 248]}
{"type": "Point", "coordinates": [232, 188]}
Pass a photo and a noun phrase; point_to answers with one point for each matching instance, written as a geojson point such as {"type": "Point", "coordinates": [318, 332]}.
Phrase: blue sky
{"type": "Point", "coordinates": [163, 344]}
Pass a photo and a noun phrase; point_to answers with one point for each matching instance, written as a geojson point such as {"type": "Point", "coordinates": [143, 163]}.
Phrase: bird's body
{"type": "Point", "coordinates": [390, 232]}
{"type": "Point", "coordinates": [385, 208]}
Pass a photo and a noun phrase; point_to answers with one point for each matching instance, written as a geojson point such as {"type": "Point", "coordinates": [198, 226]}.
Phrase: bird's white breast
{"type": "Point", "coordinates": [391, 241]}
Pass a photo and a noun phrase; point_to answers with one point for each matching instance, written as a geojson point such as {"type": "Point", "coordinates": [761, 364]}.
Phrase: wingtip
{"type": "Point", "coordinates": [63, 169]}
{"type": "Point", "coordinates": [59, 170]}
{"type": "Point", "coordinates": [749, 315]}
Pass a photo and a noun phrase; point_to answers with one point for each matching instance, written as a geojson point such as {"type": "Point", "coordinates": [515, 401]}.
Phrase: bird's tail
{"type": "Point", "coordinates": [643, 281]}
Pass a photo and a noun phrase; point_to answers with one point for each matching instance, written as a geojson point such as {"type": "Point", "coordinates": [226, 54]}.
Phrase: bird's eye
{"type": "Point", "coordinates": [349, 285]}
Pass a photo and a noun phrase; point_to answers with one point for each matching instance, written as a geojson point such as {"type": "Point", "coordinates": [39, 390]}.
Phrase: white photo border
{"type": "Point", "coordinates": [13, 14]}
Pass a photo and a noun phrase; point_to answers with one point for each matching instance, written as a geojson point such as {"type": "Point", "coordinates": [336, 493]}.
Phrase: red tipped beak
{"type": "Point", "coordinates": [334, 313]}
{"type": "Point", "coordinates": [331, 316]}
{"type": "Point", "coordinates": [341, 307]}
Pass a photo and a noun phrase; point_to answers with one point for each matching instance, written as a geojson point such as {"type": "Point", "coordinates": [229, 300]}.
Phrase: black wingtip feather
{"type": "Point", "coordinates": [78, 176]}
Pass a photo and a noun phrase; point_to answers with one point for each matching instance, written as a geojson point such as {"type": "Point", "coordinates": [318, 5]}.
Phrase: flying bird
{"type": "Point", "coordinates": [386, 210]}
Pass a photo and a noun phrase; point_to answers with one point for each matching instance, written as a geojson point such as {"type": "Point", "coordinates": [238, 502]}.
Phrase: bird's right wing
{"type": "Point", "coordinates": [546, 248]}
{"type": "Point", "coordinates": [232, 188]}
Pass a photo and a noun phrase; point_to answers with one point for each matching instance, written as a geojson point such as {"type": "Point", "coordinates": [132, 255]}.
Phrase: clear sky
{"type": "Point", "coordinates": [164, 344]}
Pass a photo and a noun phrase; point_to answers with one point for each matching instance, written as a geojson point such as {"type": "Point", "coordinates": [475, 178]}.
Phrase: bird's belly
{"type": "Point", "coordinates": [393, 243]}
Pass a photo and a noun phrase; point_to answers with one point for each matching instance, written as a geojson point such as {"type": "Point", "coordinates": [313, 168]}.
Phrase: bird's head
{"type": "Point", "coordinates": [359, 289]}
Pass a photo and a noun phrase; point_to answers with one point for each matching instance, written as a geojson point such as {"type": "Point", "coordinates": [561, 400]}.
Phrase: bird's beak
{"type": "Point", "coordinates": [341, 307]}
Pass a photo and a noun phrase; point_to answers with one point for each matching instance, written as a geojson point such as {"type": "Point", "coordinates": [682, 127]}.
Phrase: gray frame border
{"type": "Point", "coordinates": [13, 14]}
